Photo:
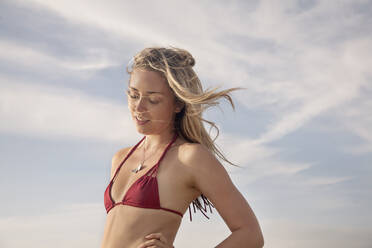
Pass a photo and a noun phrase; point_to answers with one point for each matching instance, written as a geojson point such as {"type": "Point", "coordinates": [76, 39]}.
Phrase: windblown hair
{"type": "Point", "coordinates": [175, 66]}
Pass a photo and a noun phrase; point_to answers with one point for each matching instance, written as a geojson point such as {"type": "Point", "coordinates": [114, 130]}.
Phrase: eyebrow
{"type": "Point", "coordinates": [150, 92]}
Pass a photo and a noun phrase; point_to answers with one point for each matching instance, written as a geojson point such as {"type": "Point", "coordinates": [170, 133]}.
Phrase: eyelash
{"type": "Point", "coordinates": [134, 97]}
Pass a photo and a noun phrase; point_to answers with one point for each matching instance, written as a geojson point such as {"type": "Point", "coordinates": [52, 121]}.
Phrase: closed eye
{"type": "Point", "coordinates": [136, 97]}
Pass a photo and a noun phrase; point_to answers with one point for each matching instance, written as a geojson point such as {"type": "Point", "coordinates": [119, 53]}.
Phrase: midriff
{"type": "Point", "coordinates": [127, 226]}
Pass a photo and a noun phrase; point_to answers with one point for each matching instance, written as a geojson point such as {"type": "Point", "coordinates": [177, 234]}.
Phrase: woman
{"type": "Point", "coordinates": [174, 164]}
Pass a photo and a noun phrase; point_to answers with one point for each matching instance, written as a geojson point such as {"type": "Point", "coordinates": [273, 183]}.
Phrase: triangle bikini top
{"type": "Point", "coordinates": [144, 192]}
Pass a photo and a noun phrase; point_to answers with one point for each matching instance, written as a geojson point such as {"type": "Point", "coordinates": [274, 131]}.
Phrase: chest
{"type": "Point", "coordinates": [167, 176]}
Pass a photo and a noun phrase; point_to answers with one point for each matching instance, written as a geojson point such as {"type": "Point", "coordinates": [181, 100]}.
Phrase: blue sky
{"type": "Point", "coordinates": [301, 129]}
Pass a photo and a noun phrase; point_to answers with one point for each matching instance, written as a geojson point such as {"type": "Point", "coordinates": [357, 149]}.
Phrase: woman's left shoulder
{"type": "Point", "coordinates": [194, 155]}
{"type": "Point", "coordinates": [190, 150]}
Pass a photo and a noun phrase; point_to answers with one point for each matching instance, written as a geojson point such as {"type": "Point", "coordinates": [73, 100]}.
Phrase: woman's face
{"type": "Point", "coordinates": [151, 99]}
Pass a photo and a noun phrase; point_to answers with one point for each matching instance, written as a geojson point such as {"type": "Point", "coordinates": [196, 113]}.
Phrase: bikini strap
{"type": "Point", "coordinates": [127, 156]}
{"type": "Point", "coordinates": [154, 169]}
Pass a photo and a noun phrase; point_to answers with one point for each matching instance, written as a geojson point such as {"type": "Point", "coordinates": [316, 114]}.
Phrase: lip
{"type": "Point", "coordinates": [141, 122]}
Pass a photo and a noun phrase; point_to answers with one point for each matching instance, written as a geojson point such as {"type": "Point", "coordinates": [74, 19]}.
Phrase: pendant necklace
{"type": "Point", "coordinates": [140, 166]}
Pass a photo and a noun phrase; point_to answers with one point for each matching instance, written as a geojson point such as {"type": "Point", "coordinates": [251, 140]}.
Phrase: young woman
{"type": "Point", "coordinates": [174, 164]}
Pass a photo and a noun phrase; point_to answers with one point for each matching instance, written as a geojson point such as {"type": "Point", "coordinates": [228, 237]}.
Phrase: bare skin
{"type": "Point", "coordinates": [184, 173]}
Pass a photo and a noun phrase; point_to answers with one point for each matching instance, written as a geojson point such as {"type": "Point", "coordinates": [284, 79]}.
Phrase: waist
{"type": "Point", "coordinates": [127, 225]}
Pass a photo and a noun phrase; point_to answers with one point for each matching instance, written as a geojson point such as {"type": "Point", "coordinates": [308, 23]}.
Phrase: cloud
{"type": "Point", "coordinates": [40, 110]}
{"type": "Point", "coordinates": [354, 117]}
{"type": "Point", "coordinates": [81, 223]}
{"type": "Point", "coordinates": [25, 56]}
{"type": "Point", "coordinates": [326, 180]}
{"type": "Point", "coordinates": [257, 160]}
{"type": "Point", "coordinates": [284, 233]}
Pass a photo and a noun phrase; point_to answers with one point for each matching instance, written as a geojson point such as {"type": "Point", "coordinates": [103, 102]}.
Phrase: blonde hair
{"type": "Point", "coordinates": [175, 65]}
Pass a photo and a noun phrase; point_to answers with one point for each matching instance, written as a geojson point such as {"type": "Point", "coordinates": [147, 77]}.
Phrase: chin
{"type": "Point", "coordinates": [144, 131]}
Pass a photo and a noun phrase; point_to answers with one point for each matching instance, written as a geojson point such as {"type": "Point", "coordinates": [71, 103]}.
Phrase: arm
{"type": "Point", "coordinates": [211, 178]}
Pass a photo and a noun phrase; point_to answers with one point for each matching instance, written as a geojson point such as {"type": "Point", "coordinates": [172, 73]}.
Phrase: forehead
{"type": "Point", "coordinates": [148, 81]}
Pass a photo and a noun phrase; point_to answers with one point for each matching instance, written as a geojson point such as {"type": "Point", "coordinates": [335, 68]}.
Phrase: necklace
{"type": "Point", "coordinates": [140, 166]}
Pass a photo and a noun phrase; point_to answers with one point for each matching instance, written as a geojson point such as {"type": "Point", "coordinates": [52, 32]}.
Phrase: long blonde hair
{"type": "Point", "coordinates": [175, 65]}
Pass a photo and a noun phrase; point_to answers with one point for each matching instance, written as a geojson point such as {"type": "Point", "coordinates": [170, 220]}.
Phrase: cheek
{"type": "Point", "coordinates": [160, 110]}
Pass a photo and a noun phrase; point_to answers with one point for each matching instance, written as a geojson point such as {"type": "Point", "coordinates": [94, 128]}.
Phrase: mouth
{"type": "Point", "coordinates": [141, 121]}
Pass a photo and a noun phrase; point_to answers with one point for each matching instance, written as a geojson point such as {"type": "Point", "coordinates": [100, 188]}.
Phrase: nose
{"type": "Point", "coordinates": [140, 105]}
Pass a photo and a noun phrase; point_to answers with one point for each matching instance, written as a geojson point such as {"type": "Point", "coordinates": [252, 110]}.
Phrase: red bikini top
{"type": "Point", "coordinates": [144, 192]}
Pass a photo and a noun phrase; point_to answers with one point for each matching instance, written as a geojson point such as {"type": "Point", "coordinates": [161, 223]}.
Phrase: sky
{"type": "Point", "coordinates": [301, 130]}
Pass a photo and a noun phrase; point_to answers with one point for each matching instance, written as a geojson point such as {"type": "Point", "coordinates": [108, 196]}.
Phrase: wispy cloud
{"type": "Point", "coordinates": [21, 55]}
{"type": "Point", "coordinates": [357, 118]}
{"type": "Point", "coordinates": [256, 159]}
{"type": "Point", "coordinates": [326, 180]}
{"type": "Point", "coordinates": [81, 223]}
{"type": "Point", "coordinates": [41, 110]}
{"type": "Point", "coordinates": [284, 233]}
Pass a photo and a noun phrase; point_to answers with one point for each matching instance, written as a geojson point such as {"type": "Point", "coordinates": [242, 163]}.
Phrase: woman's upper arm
{"type": "Point", "coordinates": [211, 178]}
{"type": "Point", "coordinates": [117, 158]}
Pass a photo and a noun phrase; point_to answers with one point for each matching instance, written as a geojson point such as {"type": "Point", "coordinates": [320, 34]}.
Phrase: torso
{"type": "Point", "coordinates": [127, 226]}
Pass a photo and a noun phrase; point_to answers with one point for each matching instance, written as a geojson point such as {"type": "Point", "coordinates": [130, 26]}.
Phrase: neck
{"type": "Point", "coordinates": [154, 141]}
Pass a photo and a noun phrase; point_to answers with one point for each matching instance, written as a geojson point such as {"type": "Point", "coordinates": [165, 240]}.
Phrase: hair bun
{"type": "Point", "coordinates": [190, 61]}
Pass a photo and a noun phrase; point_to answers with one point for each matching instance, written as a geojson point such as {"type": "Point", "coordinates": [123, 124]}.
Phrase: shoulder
{"type": "Point", "coordinates": [199, 160]}
{"type": "Point", "coordinates": [189, 152]}
{"type": "Point", "coordinates": [117, 158]}
{"type": "Point", "coordinates": [195, 152]}
{"type": "Point", "coordinates": [120, 153]}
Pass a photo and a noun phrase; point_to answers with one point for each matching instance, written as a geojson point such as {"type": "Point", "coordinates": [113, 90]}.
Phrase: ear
{"type": "Point", "coordinates": [179, 107]}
